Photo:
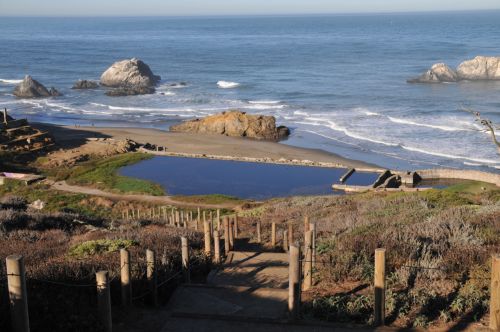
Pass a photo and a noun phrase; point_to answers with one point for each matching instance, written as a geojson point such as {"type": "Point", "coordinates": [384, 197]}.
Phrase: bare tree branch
{"type": "Point", "coordinates": [487, 124]}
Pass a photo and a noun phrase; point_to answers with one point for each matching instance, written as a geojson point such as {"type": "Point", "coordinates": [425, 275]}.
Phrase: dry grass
{"type": "Point", "coordinates": [46, 241]}
{"type": "Point", "coordinates": [448, 234]}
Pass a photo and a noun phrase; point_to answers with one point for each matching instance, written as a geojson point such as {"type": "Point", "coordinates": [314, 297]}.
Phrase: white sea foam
{"type": "Point", "coordinates": [418, 124]}
{"type": "Point", "coordinates": [7, 81]}
{"type": "Point", "coordinates": [227, 85]}
{"type": "Point", "coordinates": [271, 102]}
{"type": "Point", "coordinates": [166, 93]}
{"type": "Point", "coordinates": [369, 113]}
{"type": "Point", "coordinates": [332, 125]}
{"type": "Point", "coordinates": [264, 107]}
{"type": "Point", "coordinates": [450, 156]}
{"type": "Point", "coordinates": [471, 164]}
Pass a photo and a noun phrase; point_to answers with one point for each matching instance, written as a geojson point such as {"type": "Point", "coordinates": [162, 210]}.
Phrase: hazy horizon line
{"type": "Point", "coordinates": [255, 14]}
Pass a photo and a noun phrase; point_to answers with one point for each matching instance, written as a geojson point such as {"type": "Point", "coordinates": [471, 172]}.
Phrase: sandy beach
{"type": "Point", "coordinates": [212, 146]}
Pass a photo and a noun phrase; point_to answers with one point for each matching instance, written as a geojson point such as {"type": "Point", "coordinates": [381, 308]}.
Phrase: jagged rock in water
{"type": "Point", "coordinates": [438, 73]}
{"type": "Point", "coordinates": [235, 123]}
{"type": "Point", "coordinates": [85, 84]}
{"type": "Point", "coordinates": [131, 73]}
{"type": "Point", "coordinates": [480, 68]}
{"type": "Point", "coordinates": [30, 88]}
{"type": "Point", "coordinates": [130, 91]}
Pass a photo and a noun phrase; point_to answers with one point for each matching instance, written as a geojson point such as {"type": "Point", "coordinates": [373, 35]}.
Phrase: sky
{"type": "Point", "coordinates": [229, 7]}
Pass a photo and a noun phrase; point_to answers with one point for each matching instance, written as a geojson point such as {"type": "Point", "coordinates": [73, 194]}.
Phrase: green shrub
{"type": "Point", "coordinates": [90, 248]}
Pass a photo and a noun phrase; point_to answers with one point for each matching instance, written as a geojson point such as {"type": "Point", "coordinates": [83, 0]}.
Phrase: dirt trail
{"type": "Point", "coordinates": [167, 200]}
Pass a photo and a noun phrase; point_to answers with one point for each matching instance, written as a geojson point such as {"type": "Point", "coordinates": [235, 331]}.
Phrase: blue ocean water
{"type": "Point", "coordinates": [338, 81]}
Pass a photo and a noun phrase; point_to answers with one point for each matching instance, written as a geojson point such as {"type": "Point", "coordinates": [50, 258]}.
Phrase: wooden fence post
{"type": "Point", "coordinates": [495, 293]}
{"type": "Point", "coordinates": [104, 300]}
{"type": "Point", "coordinates": [226, 236]}
{"type": "Point", "coordinates": [206, 229]}
{"type": "Point", "coordinates": [273, 234]}
{"type": "Point", "coordinates": [379, 287]}
{"type": "Point", "coordinates": [231, 234]}
{"type": "Point", "coordinates": [125, 277]}
{"type": "Point", "coordinates": [18, 296]}
{"type": "Point", "coordinates": [259, 236]}
{"type": "Point", "coordinates": [308, 281]}
{"type": "Point", "coordinates": [290, 234]}
{"type": "Point", "coordinates": [185, 259]}
{"type": "Point", "coordinates": [306, 224]}
{"type": "Point", "coordinates": [285, 240]}
{"type": "Point", "coordinates": [294, 282]}
{"type": "Point", "coordinates": [217, 259]}
{"type": "Point", "coordinates": [152, 275]}
{"type": "Point", "coordinates": [235, 226]}
{"type": "Point", "coordinates": [312, 228]}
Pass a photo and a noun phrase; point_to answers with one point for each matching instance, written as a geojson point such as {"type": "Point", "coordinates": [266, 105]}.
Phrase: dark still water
{"type": "Point", "coordinates": [191, 176]}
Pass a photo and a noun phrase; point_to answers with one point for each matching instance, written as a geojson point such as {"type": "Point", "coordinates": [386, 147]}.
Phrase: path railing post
{"type": "Point", "coordinates": [126, 283]}
{"type": "Point", "coordinates": [235, 226]}
{"type": "Point", "coordinates": [259, 236]}
{"type": "Point", "coordinates": [231, 234]}
{"type": "Point", "coordinates": [273, 234]}
{"type": "Point", "coordinates": [185, 259]}
{"type": "Point", "coordinates": [226, 236]}
{"type": "Point", "coordinates": [495, 293]}
{"type": "Point", "coordinates": [306, 224]}
{"type": "Point", "coordinates": [18, 296]}
{"type": "Point", "coordinates": [217, 259]}
{"type": "Point", "coordinates": [290, 234]}
{"type": "Point", "coordinates": [104, 300]}
{"type": "Point", "coordinates": [379, 287]}
{"type": "Point", "coordinates": [152, 276]}
{"type": "Point", "coordinates": [285, 240]}
{"type": "Point", "coordinates": [308, 281]}
{"type": "Point", "coordinates": [312, 228]}
{"type": "Point", "coordinates": [294, 282]}
{"type": "Point", "coordinates": [206, 229]}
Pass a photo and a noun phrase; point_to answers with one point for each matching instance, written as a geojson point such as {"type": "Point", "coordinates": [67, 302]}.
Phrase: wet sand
{"type": "Point", "coordinates": [211, 146]}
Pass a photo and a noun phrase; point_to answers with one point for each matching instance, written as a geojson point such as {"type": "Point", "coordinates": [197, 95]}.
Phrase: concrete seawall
{"type": "Point", "coordinates": [432, 174]}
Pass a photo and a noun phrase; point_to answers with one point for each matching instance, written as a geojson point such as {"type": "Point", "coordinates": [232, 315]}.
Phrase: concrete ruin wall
{"type": "Point", "coordinates": [431, 174]}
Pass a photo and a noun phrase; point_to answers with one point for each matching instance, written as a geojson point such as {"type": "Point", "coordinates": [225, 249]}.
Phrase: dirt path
{"type": "Point", "coordinates": [167, 200]}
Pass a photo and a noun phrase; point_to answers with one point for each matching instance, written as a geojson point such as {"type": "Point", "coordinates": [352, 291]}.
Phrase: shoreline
{"type": "Point", "coordinates": [206, 146]}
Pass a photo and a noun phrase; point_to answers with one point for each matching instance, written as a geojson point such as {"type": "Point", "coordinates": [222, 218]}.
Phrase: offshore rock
{"type": "Point", "coordinates": [438, 73]}
{"type": "Point", "coordinates": [237, 124]}
{"type": "Point", "coordinates": [131, 73]}
{"type": "Point", "coordinates": [480, 68]}
{"type": "Point", "coordinates": [30, 88]}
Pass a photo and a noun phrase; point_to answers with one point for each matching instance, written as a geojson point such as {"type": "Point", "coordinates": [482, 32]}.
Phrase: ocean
{"type": "Point", "coordinates": [338, 81]}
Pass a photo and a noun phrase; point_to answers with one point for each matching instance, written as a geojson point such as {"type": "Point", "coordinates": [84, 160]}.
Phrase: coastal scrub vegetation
{"type": "Point", "coordinates": [64, 250]}
{"type": "Point", "coordinates": [102, 173]}
{"type": "Point", "coordinates": [438, 242]}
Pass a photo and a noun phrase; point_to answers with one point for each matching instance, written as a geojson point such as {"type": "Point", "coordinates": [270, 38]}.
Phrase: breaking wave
{"type": "Point", "coordinates": [227, 85]}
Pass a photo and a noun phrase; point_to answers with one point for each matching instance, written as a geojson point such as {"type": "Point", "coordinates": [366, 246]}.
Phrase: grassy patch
{"type": "Point", "coordinates": [90, 248]}
{"type": "Point", "coordinates": [56, 201]}
{"type": "Point", "coordinates": [472, 187]}
{"type": "Point", "coordinates": [209, 199]}
{"type": "Point", "coordinates": [103, 174]}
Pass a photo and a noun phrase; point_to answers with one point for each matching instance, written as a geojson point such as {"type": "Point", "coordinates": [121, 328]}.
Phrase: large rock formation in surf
{"type": "Point", "coordinates": [480, 68]}
{"type": "Point", "coordinates": [235, 123]}
{"type": "Point", "coordinates": [439, 72]}
{"type": "Point", "coordinates": [130, 74]}
{"type": "Point", "coordinates": [30, 88]}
